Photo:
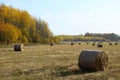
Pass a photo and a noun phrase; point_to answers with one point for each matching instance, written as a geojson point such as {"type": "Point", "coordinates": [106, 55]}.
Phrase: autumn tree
{"type": "Point", "coordinates": [32, 30]}
{"type": "Point", "coordinates": [44, 31]}
{"type": "Point", "coordinates": [8, 33]}
{"type": "Point", "coordinates": [56, 39]}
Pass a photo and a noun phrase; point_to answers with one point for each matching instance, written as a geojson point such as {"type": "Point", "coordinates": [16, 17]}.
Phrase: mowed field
{"type": "Point", "coordinates": [58, 62]}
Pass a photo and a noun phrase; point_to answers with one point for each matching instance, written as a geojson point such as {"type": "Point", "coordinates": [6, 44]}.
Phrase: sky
{"type": "Point", "coordinates": [74, 17]}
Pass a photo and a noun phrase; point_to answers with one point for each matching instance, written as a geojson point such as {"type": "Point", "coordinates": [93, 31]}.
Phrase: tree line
{"type": "Point", "coordinates": [106, 36]}
{"type": "Point", "coordinates": [95, 37]}
{"type": "Point", "coordinates": [82, 38]}
{"type": "Point", "coordinates": [19, 26]}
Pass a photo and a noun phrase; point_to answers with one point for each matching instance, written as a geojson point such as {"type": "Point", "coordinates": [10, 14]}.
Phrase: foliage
{"type": "Point", "coordinates": [24, 39]}
{"type": "Point", "coordinates": [32, 30]}
{"type": "Point", "coordinates": [9, 33]}
{"type": "Point", "coordinates": [91, 37]}
{"type": "Point", "coordinates": [43, 30]}
{"type": "Point", "coordinates": [107, 36]}
{"type": "Point", "coordinates": [57, 39]}
{"type": "Point", "coordinates": [80, 38]}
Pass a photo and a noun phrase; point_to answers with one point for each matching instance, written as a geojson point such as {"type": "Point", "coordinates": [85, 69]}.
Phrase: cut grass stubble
{"type": "Point", "coordinates": [57, 62]}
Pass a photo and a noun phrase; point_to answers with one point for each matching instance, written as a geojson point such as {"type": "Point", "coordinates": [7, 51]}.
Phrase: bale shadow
{"type": "Point", "coordinates": [65, 71]}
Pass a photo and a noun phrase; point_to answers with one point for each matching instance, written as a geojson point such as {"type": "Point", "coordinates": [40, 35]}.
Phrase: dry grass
{"type": "Point", "coordinates": [58, 62]}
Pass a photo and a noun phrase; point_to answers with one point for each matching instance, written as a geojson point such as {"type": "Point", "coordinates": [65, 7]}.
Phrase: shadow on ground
{"type": "Point", "coordinates": [65, 71]}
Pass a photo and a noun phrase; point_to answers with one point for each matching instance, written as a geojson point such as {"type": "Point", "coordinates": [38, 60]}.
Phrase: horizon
{"type": "Point", "coordinates": [85, 33]}
{"type": "Point", "coordinates": [68, 17]}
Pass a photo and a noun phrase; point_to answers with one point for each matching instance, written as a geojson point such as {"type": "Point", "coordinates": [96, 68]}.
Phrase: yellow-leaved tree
{"type": "Point", "coordinates": [9, 33]}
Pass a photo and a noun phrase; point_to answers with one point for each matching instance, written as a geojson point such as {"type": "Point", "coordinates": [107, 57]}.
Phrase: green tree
{"type": "Point", "coordinates": [44, 31]}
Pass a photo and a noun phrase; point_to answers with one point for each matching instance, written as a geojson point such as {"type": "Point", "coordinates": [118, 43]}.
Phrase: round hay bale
{"type": "Point", "coordinates": [116, 43]}
{"type": "Point", "coordinates": [93, 60]}
{"type": "Point", "coordinates": [18, 47]}
{"type": "Point", "coordinates": [110, 43]}
{"type": "Point", "coordinates": [87, 43]}
{"type": "Point", "coordinates": [79, 43]}
{"type": "Point", "coordinates": [99, 45]}
{"type": "Point", "coordinates": [72, 43]}
{"type": "Point", "coordinates": [93, 44]}
{"type": "Point", "coordinates": [51, 43]}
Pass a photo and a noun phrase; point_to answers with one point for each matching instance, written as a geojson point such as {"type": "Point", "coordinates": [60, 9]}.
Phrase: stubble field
{"type": "Point", "coordinates": [58, 62]}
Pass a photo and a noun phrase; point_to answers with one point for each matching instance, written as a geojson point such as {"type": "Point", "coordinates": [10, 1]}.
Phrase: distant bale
{"type": "Point", "coordinates": [116, 43]}
{"type": "Point", "coordinates": [110, 43]}
{"type": "Point", "coordinates": [93, 60]}
{"type": "Point", "coordinates": [93, 44]}
{"type": "Point", "coordinates": [51, 43]}
{"type": "Point", "coordinates": [72, 43]}
{"type": "Point", "coordinates": [79, 43]}
{"type": "Point", "coordinates": [99, 45]}
{"type": "Point", "coordinates": [18, 47]}
{"type": "Point", "coordinates": [87, 42]}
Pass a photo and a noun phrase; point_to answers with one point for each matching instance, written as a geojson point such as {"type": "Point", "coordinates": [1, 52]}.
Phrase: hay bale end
{"type": "Point", "coordinates": [18, 47]}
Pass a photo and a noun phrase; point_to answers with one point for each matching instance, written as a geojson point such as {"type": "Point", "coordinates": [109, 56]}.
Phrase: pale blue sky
{"type": "Point", "coordinates": [74, 16]}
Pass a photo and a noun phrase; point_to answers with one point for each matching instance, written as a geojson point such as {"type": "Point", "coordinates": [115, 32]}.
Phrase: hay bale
{"type": "Point", "coordinates": [79, 43]}
{"type": "Point", "coordinates": [72, 43]}
{"type": "Point", "coordinates": [87, 43]}
{"type": "Point", "coordinates": [116, 43]}
{"type": "Point", "coordinates": [93, 60]}
{"type": "Point", "coordinates": [110, 43]}
{"type": "Point", "coordinates": [18, 47]}
{"type": "Point", "coordinates": [51, 43]}
{"type": "Point", "coordinates": [99, 45]}
{"type": "Point", "coordinates": [93, 44]}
